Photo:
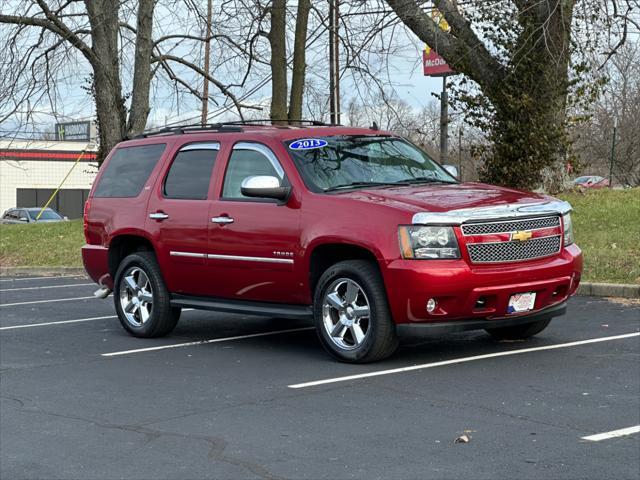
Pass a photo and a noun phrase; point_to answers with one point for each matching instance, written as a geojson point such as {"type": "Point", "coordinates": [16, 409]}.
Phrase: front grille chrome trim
{"type": "Point", "coordinates": [511, 226]}
{"type": "Point", "coordinates": [514, 251]}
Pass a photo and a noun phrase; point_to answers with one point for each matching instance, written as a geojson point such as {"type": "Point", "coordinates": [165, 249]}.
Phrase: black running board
{"type": "Point", "coordinates": [278, 310]}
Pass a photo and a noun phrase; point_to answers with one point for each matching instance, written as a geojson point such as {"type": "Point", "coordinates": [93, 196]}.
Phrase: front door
{"type": "Point", "coordinates": [253, 243]}
{"type": "Point", "coordinates": [178, 218]}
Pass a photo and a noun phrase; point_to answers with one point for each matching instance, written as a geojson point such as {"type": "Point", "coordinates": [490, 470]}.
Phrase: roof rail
{"type": "Point", "coordinates": [285, 121]}
{"type": "Point", "coordinates": [233, 126]}
{"type": "Point", "coordinates": [179, 130]}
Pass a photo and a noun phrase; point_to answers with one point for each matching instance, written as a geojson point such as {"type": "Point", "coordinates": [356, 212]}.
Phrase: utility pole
{"type": "Point", "coordinates": [613, 151]}
{"type": "Point", "coordinates": [334, 62]}
{"type": "Point", "coordinates": [444, 122]}
{"type": "Point", "coordinates": [207, 53]}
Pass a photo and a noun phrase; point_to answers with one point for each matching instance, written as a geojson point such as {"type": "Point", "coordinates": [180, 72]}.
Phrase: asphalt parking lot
{"type": "Point", "coordinates": [243, 397]}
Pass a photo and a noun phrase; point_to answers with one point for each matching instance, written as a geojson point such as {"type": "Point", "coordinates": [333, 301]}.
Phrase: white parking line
{"type": "Point", "coordinates": [613, 434]}
{"type": "Point", "coordinates": [38, 278]}
{"type": "Point", "coordinates": [45, 286]}
{"type": "Point", "coordinates": [45, 301]}
{"type": "Point", "coordinates": [461, 360]}
{"type": "Point", "coordinates": [62, 322]}
{"type": "Point", "coordinates": [29, 325]}
{"type": "Point", "coordinates": [203, 342]}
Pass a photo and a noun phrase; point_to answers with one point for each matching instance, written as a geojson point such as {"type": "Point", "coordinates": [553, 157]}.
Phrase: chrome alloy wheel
{"type": "Point", "coordinates": [345, 314]}
{"type": "Point", "coordinates": [136, 296]}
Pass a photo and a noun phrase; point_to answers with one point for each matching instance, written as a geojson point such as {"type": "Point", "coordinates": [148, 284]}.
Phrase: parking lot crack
{"type": "Point", "coordinates": [446, 402]}
{"type": "Point", "coordinates": [217, 446]}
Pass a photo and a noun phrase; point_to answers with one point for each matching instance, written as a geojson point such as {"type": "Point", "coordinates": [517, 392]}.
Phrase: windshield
{"type": "Point", "coordinates": [355, 161]}
{"type": "Point", "coordinates": [47, 214]}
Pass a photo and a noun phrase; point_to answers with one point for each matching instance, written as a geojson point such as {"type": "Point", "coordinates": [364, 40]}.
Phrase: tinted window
{"type": "Point", "coordinates": [246, 163]}
{"type": "Point", "coordinates": [128, 170]}
{"type": "Point", "coordinates": [190, 174]}
{"type": "Point", "coordinates": [355, 161]}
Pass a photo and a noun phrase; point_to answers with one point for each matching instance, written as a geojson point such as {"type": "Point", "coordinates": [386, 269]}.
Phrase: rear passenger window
{"type": "Point", "coordinates": [128, 170]}
{"type": "Point", "coordinates": [190, 172]}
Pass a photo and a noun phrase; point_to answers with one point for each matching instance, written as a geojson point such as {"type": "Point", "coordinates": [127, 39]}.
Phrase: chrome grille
{"type": "Point", "coordinates": [514, 251]}
{"type": "Point", "coordinates": [510, 226]}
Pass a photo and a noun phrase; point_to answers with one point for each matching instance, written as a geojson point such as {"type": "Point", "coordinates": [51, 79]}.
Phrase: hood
{"type": "Point", "coordinates": [443, 197]}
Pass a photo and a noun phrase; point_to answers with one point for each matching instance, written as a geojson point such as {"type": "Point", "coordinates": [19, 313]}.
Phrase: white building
{"type": "Point", "coordinates": [31, 170]}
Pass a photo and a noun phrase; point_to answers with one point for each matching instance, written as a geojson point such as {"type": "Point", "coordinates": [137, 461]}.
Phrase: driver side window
{"type": "Point", "coordinates": [247, 160]}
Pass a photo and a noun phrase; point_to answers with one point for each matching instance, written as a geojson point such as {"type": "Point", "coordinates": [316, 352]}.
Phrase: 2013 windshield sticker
{"type": "Point", "coordinates": [308, 144]}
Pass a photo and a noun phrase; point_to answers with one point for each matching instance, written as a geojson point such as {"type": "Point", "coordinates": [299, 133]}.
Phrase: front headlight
{"type": "Point", "coordinates": [428, 242]}
{"type": "Point", "coordinates": [568, 229]}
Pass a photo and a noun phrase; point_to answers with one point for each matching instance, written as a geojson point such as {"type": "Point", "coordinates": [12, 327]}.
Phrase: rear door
{"type": "Point", "coordinates": [253, 242]}
{"type": "Point", "coordinates": [178, 216]}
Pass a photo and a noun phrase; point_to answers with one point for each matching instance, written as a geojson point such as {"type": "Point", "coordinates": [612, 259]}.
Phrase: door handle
{"type": "Point", "coordinates": [158, 216]}
{"type": "Point", "coordinates": [222, 220]}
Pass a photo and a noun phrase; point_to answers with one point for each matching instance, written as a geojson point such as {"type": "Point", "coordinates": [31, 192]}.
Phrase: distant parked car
{"type": "Point", "coordinates": [30, 215]}
{"type": "Point", "coordinates": [591, 181]}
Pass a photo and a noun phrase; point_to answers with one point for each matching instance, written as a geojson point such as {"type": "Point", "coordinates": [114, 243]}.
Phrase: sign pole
{"type": "Point", "coordinates": [444, 122]}
{"type": "Point", "coordinates": [613, 151]}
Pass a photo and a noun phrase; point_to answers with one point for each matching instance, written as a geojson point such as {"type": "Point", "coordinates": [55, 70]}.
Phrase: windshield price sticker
{"type": "Point", "coordinates": [308, 144]}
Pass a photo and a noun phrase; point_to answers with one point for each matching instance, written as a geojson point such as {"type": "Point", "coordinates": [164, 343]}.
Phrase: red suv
{"type": "Point", "coordinates": [355, 228]}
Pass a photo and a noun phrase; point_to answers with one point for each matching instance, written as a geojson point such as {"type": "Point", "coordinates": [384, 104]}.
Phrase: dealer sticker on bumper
{"type": "Point", "coordinates": [521, 302]}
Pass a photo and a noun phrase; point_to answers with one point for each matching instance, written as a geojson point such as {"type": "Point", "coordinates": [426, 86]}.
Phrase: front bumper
{"type": "Point", "coordinates": [466, 292]}
{"type": "Point", "coordinates": [483, 323]}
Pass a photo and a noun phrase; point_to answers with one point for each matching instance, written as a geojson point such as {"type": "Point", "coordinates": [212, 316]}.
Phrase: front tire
{"type": "Point", "coordinates": [352, 315]}
{"type": "Point", "coordinates": [519, 332]}
{"type": "Point", "coordinates": [141, 297]}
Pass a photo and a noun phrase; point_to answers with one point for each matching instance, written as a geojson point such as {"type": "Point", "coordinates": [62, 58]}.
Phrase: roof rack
{"type": "Point", "coordinates": [285, 121]}
{"type": "Point", "coordinates": [233, 126]}
{"type": "Point", "coordinates": [179, 130]}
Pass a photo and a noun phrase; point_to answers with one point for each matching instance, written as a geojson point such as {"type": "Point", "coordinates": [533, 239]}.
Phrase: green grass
{"type": "Point", "coordinates": [41, 245]}
{"type": "Point", "coordinates": [606, 225]}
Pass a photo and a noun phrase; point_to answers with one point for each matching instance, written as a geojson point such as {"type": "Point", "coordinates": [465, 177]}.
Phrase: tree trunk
{"type": "Point", "coordinates": [528, 94]}
{"type": "Point", "coordinates": [110, 108]}
{"type": "Point", "coordinates": [529, 131]}
{"type": "Point", "coordinates": [299, 61]}
{"type": "Point", "coordinates": [139, 111]}
{"type": "Point", "coordinates": [278, 44]}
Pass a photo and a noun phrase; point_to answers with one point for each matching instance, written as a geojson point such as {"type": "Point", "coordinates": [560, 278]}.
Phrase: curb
{"type": "Point", "coordinates": [586, 288]}
{"type": "Point", "coordinates": [609, 290]}
{"type": "Point", "coordinates": [41, 271]}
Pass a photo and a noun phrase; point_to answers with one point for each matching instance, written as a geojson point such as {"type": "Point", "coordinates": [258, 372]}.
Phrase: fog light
{"type": "Point", "coordinates": [431, 305]}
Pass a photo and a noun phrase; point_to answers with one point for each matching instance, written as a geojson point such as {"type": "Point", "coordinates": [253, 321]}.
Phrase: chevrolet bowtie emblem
{"type": "Point", "coordinates": [521, 236]}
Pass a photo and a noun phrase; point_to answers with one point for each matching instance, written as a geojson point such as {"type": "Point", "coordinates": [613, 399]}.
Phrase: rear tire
{"type": "Point", "coordinates": [352, 315]}
{"type": "Point", "coordinates": [519, 332]}
{"type": "Point", "coordinates": [141, 297]}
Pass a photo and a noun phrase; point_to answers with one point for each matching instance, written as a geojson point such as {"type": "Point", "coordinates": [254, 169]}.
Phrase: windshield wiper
{"type": "Point", "coordinates": [415, 180]}
{"type": "Point", "coordinates": [364, 184]}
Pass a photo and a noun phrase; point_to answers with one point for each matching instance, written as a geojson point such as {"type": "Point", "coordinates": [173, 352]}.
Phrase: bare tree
{"type": "Point", "coordinates": [59, 37]}
{"type": "Point", "coordinates": [618, 104]}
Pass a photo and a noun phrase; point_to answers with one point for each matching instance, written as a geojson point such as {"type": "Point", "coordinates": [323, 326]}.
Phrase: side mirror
{"type": "Point", "coordinates": [452, 169]}
{"type": "Point", "coordinates": [65, 218]}
{"type": "Point", "coordinates": [264, 186]}
{"type": "Point", "coordinates": [24, 219]}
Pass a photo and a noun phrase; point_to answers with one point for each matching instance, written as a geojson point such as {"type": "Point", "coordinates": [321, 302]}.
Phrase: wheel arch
{"type": "Point", "coordinates": [125, 244]}
{"type": "Point", "coordinates": [323, 255]}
